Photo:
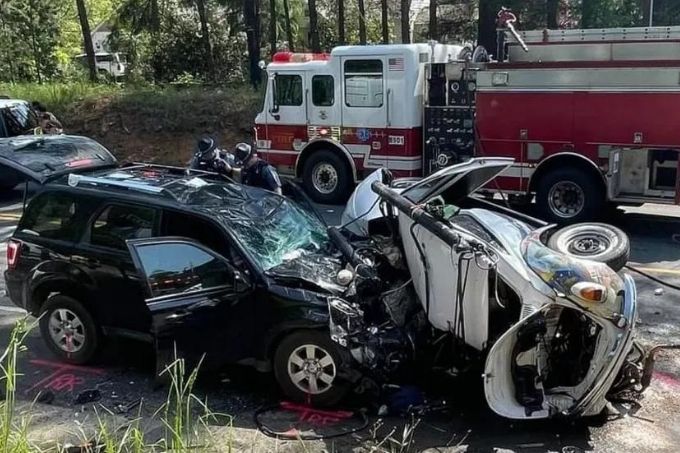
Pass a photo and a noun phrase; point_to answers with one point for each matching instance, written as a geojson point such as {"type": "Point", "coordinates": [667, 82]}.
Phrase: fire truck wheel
{"type": "Point", "coordinates": [326, 177]}
{"type": "Point", "coordinates": [594, 241]}
{"type": "Point", "coordinates": [569, 196]}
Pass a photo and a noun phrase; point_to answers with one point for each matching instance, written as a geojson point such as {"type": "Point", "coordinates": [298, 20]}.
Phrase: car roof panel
{"type": "Point", "coordinates": [42, 157]}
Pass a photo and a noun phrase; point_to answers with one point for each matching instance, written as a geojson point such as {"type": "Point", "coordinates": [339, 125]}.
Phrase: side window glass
{"type": "Point", "coordinates": [53, 216]}
{"type": "Point", "coordinates": [174, 268]}
{"type": "Point", "coordinates": [323, 90]}
{"type": "Point", "coordinates": [118, 223]}
{"type": "Point", "coordinates": [363, 83]}
{"type": "Point", "coordinates": [288, 90]}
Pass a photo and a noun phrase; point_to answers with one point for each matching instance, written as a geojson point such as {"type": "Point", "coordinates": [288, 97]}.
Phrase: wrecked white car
{"type": "Point", "coordinates": [475, 282]}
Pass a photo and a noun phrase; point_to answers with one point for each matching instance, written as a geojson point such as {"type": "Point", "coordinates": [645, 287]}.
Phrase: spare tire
{"type": "Point", "coordinates": [593, 241]}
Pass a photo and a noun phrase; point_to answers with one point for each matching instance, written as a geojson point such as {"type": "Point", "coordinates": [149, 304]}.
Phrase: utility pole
{"type": "Point", "coordinates": [651, 12]}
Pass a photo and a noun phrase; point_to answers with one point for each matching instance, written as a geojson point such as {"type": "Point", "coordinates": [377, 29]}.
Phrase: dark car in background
{"type": "Point", "coordinates": [16, 118]}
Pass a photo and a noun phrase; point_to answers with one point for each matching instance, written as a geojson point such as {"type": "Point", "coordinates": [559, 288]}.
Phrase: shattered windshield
{"type": "Point", "coordinates": [274, 230]}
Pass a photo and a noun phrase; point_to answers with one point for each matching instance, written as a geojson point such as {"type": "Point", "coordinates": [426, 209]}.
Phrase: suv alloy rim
{"type": "Point", "coordinates": [324, 178]}
{"type": "Point", "coordinates": [312, 369]}
{"type": "Point", "coordinates": [67, 330]}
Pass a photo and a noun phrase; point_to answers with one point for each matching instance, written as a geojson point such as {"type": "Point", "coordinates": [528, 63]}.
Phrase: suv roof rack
{"type": "Point", "coordinates": [74, 180]}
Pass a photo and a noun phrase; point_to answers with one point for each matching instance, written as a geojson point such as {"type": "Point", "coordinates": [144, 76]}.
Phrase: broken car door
{"type": "Point", "coordinates": [198, 301]}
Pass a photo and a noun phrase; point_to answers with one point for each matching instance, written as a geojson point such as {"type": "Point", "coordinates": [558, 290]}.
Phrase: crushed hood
{"type": "Point", "coordinates": [316, 270]}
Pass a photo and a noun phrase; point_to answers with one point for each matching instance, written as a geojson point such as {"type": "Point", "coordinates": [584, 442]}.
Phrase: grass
{"type": "Point", "coordinates": [64, 98]}
{"type": "Point", "coordinates": [13, 429]}
{"type": "Point", "coordinates": [58, 97]}
{"type": "Point", "coordinates": [185, 417]}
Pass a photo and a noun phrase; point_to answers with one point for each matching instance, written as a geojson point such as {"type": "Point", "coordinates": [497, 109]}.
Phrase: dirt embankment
{"type": "Point", "coordinates": [163, 126]}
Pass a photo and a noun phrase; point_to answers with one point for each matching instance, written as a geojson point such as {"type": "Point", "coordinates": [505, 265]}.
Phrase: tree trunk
{"type": "Point", "coordinates": [588, 8]}
{"type": "Point", "coordinates": [272, 26]}
{"type": "Point", "coordinates": [289, 30]}
{"type": "Point", "coordinates": [551, 10]}
{"type": "Point", "coordinates": [644, 5]}
{"type": "Point", "coordinates": [385, 25]}
{"type": "Point", "coordinates": [155, 16]}
{"type": "Point", "coordinates": [341, 22]}
{"type": "Point", "coordinates": [362, 23]}
{"type": "Point", "coordinates": [87, 39]}
{"type": "Point", "coordinates": [252, 22]}
{"type": "Point", "coordinates": [405, 6]}
{"type": "Point", "coordinates": [313, 27]}
{"type": "Point", "coordinates": [486, 27]}
{"type": "Point", "coordinates": [205, 37]}
{"type": "Point", "coordinates": [433, 20]}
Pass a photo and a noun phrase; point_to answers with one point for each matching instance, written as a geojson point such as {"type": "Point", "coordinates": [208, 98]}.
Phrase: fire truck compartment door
{"type": "Point", "coordinates": [614, 176]}
{"type": "Point", "coordinates": [286, 98]}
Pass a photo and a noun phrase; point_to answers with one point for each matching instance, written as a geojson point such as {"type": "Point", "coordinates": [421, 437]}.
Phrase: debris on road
{"type": "Point", "coordinates": [87, 396]}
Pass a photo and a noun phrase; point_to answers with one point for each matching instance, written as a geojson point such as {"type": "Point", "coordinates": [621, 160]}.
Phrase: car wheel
{"type": "Point", "coordinates": [307, 366]}
{"type": "Point", "coordinates": [69, 330]}
{"type": "Point", "coordinates": [593, 241]}
{"type": "Point", "coordinates": [326, 177]}
{"type": "Point", "coordinates": [569, 196]}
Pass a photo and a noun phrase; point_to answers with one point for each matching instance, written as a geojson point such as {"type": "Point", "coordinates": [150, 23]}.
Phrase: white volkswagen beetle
{"type": "Point", "coordinates": [554, 330]}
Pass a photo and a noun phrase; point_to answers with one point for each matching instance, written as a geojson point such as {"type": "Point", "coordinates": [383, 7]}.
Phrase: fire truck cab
{"type": "Point", "coordinates": [332, 118]}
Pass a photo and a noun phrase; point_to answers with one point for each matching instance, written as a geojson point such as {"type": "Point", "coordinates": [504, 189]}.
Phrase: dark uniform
{"type": "Point", "coordinates": [261, 174]}
{"type": "Point", "coordinates": [254, 171]}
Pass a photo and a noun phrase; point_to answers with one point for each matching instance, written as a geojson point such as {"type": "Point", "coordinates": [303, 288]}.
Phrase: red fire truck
{"type": "Point", "coordinates": [590, 116]}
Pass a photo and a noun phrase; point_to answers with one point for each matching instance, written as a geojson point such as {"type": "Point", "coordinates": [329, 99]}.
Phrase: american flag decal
{"type": "Point", "coordinates": [396, 64]}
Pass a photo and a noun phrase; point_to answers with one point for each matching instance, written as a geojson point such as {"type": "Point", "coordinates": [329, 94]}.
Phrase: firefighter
{"type": "Point", "coordinates": [48, 122]}
{"type": "Point", "coordinates": [255, 171]}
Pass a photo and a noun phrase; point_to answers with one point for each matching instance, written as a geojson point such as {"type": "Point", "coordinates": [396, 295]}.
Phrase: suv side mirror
{"type": "Point", "coordinates": [241, 283]}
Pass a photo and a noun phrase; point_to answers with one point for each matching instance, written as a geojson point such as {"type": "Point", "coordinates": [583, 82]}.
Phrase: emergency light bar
{"type": "Point", "coordinates": [292, 57]}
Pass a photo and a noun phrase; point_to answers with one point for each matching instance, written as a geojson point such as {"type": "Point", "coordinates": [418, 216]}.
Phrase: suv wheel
{"type": "Point", "coordinates": [69, 330]}
{"type": "Point", "coordinates": [307, 367]}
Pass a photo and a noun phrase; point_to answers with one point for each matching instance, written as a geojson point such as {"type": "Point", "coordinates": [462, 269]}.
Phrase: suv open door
{"type": "Point", "coordinates": [41, 158]}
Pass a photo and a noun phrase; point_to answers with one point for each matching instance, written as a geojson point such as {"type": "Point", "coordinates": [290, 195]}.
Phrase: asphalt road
{"type": "Point", "coordinates": [124, 374]}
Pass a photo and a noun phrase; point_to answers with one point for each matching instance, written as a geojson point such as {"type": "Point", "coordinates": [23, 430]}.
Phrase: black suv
{"type": "Point", "coordinates": [193, 260]}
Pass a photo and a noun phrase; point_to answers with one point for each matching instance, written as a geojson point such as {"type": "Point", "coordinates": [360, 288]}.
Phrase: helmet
{"type": "Point", "coordinates": [243, 151]}
{"type": "Point", "coordinates": [205, 146]}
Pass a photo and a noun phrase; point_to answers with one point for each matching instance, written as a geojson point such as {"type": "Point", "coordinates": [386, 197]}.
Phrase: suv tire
{"type": "Point", "coordinates": [307, 366]}
{"type": "Point", "coordinates": [65, 324]}
{"type": "Point", "coordinates": [326, 177]}
{"type": "Point", "coordinates": [569, 196]}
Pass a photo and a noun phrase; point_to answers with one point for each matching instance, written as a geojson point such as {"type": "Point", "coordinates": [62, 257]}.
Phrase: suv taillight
{"type": "Point", "coordinates": [13, 252]}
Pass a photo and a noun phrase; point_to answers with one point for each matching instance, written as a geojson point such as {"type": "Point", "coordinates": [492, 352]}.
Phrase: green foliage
{"type": "Point", "coordinates": [13, 429]}
{"type": "Point", "coordinates": [183, 414]}
{"type": "Point", "coordinates": [169, 48]}
{"type": "Point", "coordinates": [57, 96]}
{"type": "Point", "coordinates": [28, 36]}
